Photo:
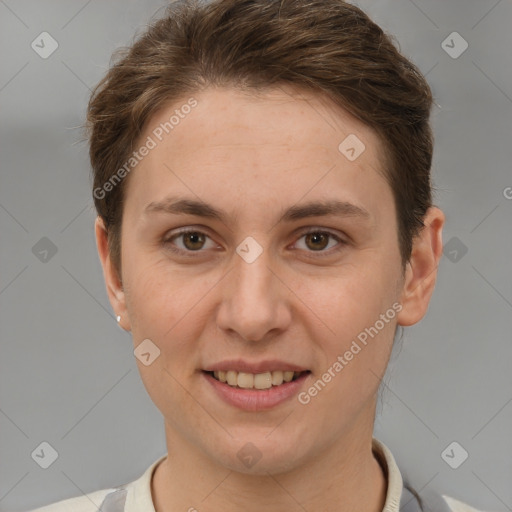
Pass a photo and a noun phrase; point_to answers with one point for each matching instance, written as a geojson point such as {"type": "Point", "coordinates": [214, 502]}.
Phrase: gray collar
{"type": "Point", "coordinates": [115, 502]}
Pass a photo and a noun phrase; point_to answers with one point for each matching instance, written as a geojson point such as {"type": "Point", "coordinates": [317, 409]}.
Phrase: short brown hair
{"type": "Point", "coordinates": [327, 46]}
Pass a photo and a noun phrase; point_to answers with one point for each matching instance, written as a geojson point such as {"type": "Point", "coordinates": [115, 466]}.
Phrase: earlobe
{"type": "Point", "coordinates": [113, 282]}
{"type": "Point", "coordinates": [421, 269]}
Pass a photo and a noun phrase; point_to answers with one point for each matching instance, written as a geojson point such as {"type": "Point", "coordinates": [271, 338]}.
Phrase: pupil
{"type": "Point", "coordinates": [195, 238]}
{"type": "Point", "coordinates": [317, 237]}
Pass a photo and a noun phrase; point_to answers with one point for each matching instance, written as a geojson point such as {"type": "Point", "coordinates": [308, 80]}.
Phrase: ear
{"type": "Point", "coordinates": [421, 269]}
{"type": "Point", "coordinates": [113, 283]}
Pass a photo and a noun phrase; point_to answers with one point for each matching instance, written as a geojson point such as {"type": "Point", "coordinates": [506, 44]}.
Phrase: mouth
{"type": "Point", "coordinates": [256, 381]}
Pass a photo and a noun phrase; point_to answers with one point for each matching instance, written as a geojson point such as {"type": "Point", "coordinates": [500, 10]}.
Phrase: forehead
{"type": "Point", "coordinates": [265, 143]}
{"type": "Point", "coordinates": [281, 116]}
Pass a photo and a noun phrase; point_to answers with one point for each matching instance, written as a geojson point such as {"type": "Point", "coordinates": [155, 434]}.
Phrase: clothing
{"type": "Point", "coordinates": [136, 496]}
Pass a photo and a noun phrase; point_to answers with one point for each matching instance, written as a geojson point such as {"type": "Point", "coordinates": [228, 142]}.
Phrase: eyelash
{"type": "Point", "coordinates": [168, 242]}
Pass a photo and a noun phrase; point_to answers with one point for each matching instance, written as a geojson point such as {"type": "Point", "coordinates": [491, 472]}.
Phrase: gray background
{"type": "Point", "coordinates": [67, 372]}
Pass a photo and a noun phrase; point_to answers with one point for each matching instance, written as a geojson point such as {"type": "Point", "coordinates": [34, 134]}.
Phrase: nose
{"type": "Point", "coordinates": [255, 302]}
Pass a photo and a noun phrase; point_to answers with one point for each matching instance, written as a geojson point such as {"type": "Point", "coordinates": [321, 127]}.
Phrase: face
{"type": "Point", "coordinates": [251, 243]}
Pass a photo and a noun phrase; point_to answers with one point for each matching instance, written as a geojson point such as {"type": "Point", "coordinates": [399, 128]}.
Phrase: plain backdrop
{"type": "Point", "coordinates": [67, 373]}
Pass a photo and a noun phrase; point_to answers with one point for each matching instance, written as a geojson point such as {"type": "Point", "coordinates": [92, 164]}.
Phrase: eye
{"type": "Point", "coordinates": [190, 240]}
{"type": "Point", "coordinates": [316, 240]}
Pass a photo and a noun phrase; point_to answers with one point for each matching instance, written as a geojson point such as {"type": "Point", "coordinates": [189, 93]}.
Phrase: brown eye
{"type": "Point", "coordinates": [188, 241]}
{"type": "Point", "coordinates": [317, 241]}
{"type": "Point", "coordinates": [193, 240]}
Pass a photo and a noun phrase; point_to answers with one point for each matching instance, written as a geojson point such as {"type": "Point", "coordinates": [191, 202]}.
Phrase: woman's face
{"type": "Point", "coordinates": [248, 289]}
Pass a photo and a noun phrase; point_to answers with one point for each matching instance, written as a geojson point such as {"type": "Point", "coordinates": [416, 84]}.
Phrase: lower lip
{"type": "Point", "coordinates": [254, 399]}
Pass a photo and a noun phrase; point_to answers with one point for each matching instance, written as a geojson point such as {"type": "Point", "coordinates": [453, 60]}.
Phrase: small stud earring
{"type": "Point", "coordinates": [118, 318]}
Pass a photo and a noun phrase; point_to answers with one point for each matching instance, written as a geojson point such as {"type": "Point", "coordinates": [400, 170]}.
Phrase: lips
{"type": "Point", "coordinates": [255, 385]}
{"type": "Point", "coordinates": [254, 399]}
{"type": "Point", "coordinates": [241, 365]}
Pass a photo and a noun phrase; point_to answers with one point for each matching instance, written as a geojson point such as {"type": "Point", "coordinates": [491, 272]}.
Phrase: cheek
{"type": "Point", "coordinates": [357, 312]}
{"type": "Point", "coordinates": [352, 300]}
{"type": "Point", "coordinates": [161, 306]}
{"type": "Point", "coordinates": [355, 357]}
{"type": "Point", "coordinates": [159, 298]}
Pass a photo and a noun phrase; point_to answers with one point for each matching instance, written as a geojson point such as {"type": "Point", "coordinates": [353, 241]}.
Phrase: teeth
{"type": "Point", "coordinates": [277, 378]}
{"type": "Point", "coordinates": [255, 381]}
{"type": "Point", "coordinates": [287, 376]}
{"type": "Point", "coordinates": [245, 380]}
{"type": "Point", "coordinates": [263, 380]}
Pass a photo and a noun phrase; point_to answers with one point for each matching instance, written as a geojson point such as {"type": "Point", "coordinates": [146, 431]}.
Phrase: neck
{"type": "Point", "coordinates": [347, 478]}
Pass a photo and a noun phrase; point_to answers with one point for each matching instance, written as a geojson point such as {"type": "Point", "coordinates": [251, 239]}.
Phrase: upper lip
{"type": "Point", "coordinates": [241, 365]}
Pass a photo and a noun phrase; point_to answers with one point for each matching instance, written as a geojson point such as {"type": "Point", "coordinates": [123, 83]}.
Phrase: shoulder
{"type": "Point", "coordinates": [458, 506]}
{"type": "Point", "coordinates": [431, 501]}
{"type": "Point", "coordinates": [86, 503]}
{"type": "Point", "coordinates": [132, 497]}
{"type": "Point", "coordinates": [402, 496]}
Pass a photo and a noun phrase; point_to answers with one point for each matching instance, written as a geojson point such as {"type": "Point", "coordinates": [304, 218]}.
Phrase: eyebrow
{"type": "Point", "coordinates": [177, 206]}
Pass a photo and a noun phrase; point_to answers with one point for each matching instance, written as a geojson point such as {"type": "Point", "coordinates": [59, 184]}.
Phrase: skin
{"type": "Point", "coordinates": [303, 301]}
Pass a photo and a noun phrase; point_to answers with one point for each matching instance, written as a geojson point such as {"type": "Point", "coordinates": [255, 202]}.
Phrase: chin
{"type": "Point", "coordinates": [258, 456]}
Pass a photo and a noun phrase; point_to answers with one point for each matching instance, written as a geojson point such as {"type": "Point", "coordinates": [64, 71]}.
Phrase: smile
{"type": "Point", "coordinates": [265, 380]}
